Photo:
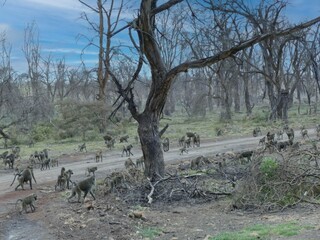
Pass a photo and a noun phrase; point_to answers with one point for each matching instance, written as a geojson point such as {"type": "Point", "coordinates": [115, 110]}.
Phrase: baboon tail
{"type": "Point", "coordinates": [14, 179]}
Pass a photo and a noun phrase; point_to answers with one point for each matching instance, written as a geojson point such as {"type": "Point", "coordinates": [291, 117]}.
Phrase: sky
{"type": "Point", "coordinates": [59, 26]}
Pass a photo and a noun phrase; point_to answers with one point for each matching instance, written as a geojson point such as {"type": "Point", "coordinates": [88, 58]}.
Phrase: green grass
{"type": "Point", "coordinates": [263, 232]}
{"type": "Point", "coordinates": [149, 232]}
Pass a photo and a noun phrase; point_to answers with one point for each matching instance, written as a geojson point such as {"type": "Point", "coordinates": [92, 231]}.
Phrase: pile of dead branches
{"type": "Point", "coordinates": [281, 180]}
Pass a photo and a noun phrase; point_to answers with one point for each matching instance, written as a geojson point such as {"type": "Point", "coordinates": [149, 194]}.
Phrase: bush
{"type": "Point", "coordinates": [41, 132]}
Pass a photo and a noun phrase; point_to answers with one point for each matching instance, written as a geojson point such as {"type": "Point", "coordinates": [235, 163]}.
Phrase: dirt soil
{"type": "Point", "coordinates": [109, 217]}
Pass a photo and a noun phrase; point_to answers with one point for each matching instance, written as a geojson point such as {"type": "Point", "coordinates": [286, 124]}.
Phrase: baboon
{"type": "Point", "coordinates": [187, 143]}
{"type": "Point", "coordinates": [82, 147]}
{"type": "Point", "coordinates": [107, 138]}
{"type": "Point", "coordinates": [129, 163]}
{"type": "Point", "coordinates": [45, 163]}
{"type": "Point", "coordinates": [270, 137]}
{"type": "Point", "coordinates": [9, 159]}
{"type": "Point", "coordinates": [24, 176]}
{"type": "Point", "coordinates": [198, 162]}
{"type": "Point", "coordinates": [64, 179]}
{"type": "Point", "coordinates": [140, 162]}
{"type": "Point", "coordinates": [124, 138]}
{"type": "Point", "coordinates": [4, 155]}
{"type": "Point", "coordinates": [115, 180]}
{"type": "Point", "coordinates": [15, 150]}
{"type": "Point", "coordinates": [182, 150]}
{"type": "Point", "coordinates": [29, 200]}
{"type": "Point", "coordinates": [290, 134]}
{"type": "Point", "coordinates": [181, 141]}
{"type": "Point", "coordinates": [280, 135]}
{"type": "Point", "coordinates": [256, 132]}
{"type": "Point", "coordinates": [246, 155]}
{"type": "Point", "coordinates": [85, 186]}
{"type": "Point", "coordinates": [262, 141]}
{"type": "Point", "coordinates": [165, 144]}
{"type": "Point", "coordinates": [45, 153]}
{"type": "Point", "coordinates": [54, 162]}
{"type": "Point", "coordinates": [219, 132]}
{"type": "Point", "coordinates": [99, 156]}
{"type": "Point", "coordinates": [90, 170]}
{"type": "Point", "coordinates": [127, 150]}
{"type": "Point", "coordinates": [196, 140]}
{"type": "Point", "coordinates": [304, 133]}
{"type": "Point", "coordinates": [110, 144]}
{"type": "Point", "coordinates": [283, 145]}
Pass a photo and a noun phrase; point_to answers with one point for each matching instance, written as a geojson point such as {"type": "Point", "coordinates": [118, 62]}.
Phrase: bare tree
{"type": "Point", "coordinates": [163, 77]}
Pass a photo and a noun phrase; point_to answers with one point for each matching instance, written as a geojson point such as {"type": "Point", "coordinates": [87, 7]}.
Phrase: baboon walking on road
{"type": "Point", "coordinates": [24, 176]}
{"type": "Point", "coordinates": [29, 200]}
{"type": "Point", "coordinates": [85, 186]}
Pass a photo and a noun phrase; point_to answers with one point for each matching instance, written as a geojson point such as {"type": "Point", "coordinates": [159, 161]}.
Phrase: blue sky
{"type": "Point", "coordinates": [59, 24]}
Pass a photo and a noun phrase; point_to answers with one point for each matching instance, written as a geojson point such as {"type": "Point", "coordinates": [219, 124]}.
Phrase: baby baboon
{"type": "Point", "coordinates": [91, 170]}
{"type": "Point", "coordinates": [140, 162]}
{"type": "Point", "coordinates": [127, 150]}
{"type": "Point", "coordinates": [99, 155]}
{"type": "Point", "coordinates": [182, 150]}
{"type": "Point", "coordinates": [129, 163]}
{"type": "Point", "coordinates": [82, 147]}
{"type": "Point", "coordinates": [45, 164]}
{"type": "Point", "coordinates": [24, 176]}
{"type": "Point", "coordinates": [29, 200]}
{"type": "Point", "coordinates": [124, 138]}
{"type": "Point", "coordinates": [85, 186]}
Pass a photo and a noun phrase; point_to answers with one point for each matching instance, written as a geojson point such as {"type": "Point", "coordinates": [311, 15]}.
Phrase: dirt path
{"type": "Point", "coordinates": [113, 160]}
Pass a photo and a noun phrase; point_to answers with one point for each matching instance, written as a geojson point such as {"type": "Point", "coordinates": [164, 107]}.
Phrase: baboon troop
{"type": "Point", "coordinates": [85, 186]}
{"type": "Point", "coordinates": [99, 156]}
{"type": "Point", "coordinates": [27, 201]}
{"type": "Point", "coordinates": [90, 170]}
{"type": "Point", "coordinates": [127, 150]}
{"type": "Point", "coordinates": [82, 147]}
{"type": "Point", "coordinates": [23, 177]}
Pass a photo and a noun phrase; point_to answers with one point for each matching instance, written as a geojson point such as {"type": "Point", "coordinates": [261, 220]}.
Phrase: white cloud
{"type": "Point", "coordinates": [69, 50]}
{"type": "Point", "coordinates": [62, 4]}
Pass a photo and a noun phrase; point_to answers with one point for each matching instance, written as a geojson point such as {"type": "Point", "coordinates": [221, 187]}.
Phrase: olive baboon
{"type": "Point", "coordinates": [4, 155]}
{"type": "Point", "coordinates": [85, 186]}
{"type": "Point", "coordinates": [29, 200]}
{"type": "Point", "coordinates": [107, 138]}
{"type": "Point", "coordinates": [54, 162]}
{"type": "Point", "coordinates": [45, 164]}
{"type": "Point", "coordinates": [99, 156]}
{"type": "Point", "coordinates": [124, 138]}
{"type": "Point", "coordinates": [82, 147]}
{"type": "Point", "coordinates": [140, 162]}
{"type": "Point", "coordinates": [165, 144]}
{"type": "Point", "coordinates": [198, 162]}
{"type": "Point", "coordinates": [262, 141]}
{"type": "Point", "coordinates": [304, 133]}
{"type": "Point", "coordinates": [290, 134]}
{"type": "Point", "coordinates": [110, 144]}
{"type": "Point", "coordinates": [129, 163]}
{"type": "Point", "coordinates": [283, 145]}
{"type": "Point", "coordinates": [270, 137]}
{"type": "Point", "coordinates": [196, 140]}
{"type": "Point", "coordinates": [280, 135]}
{"type": "Point", "coordinates": [245, 155]}
{"type": "Point", "coordinates": [9, 159]}
{"type": "Point", "coordinates": [127, 150]}
{"type": "Point", "coordinates": [181, 141]}
{"type": "Point", "coordinates": [64, 179]}
{"type": "Point", "coordinates": [24, 176]}
{"type": "Point", "coordinates": [256, 132]}
{"type": "Point", "coordinates": [183, 149]}
{"type": "Point", "coordinates": [90, 170]}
